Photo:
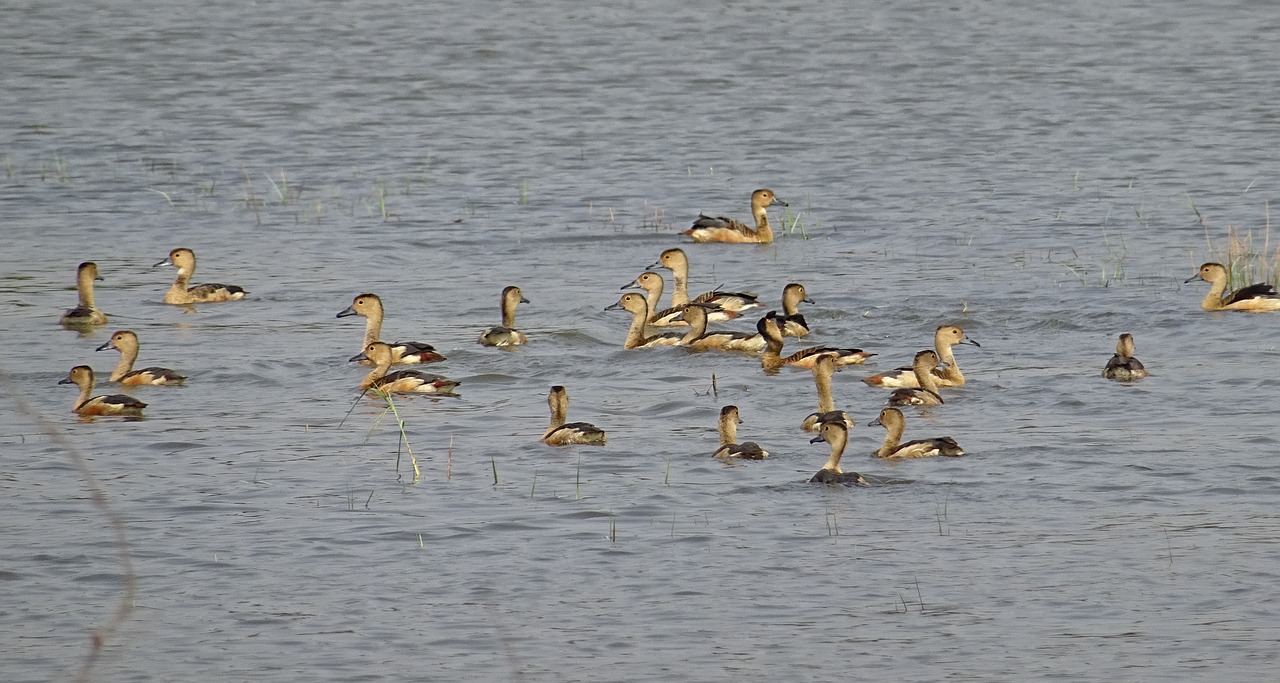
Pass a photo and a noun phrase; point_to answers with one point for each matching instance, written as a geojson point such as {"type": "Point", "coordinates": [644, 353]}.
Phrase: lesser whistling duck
{"type": "Point", "coordinates": [126, 342]}
{"type": "Point", "coordinates": [113, 404]}
{"type": "Point", "coordinates": [506, 334]}
{"type": "Point", "coordinates": [561, 433]}
{"type": "Point", "coordinates": [86, 313]}
{"type": "Point", "coordinates": [895, 423]}
{"type": "Point", "coordinates": [721, 229]}
{"type": "Point", "coordinates": [181, 293]}
{"type": "Point", "coordinates": [402, 352]}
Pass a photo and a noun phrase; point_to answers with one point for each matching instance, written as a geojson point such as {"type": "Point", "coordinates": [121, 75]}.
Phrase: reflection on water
{"type": "Point", "coordinates": [1036, 177]}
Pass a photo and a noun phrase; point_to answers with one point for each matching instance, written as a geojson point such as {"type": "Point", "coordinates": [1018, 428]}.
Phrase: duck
{"type": "Point", "coordinates": [561, 433]}
{"type": "Point", "coordinates": [126, 342]}
{"type": "Point", "coordinates": [1256, 298]}
{"type": "Point", "coordinates": [636, 305]}
{"type": "Point", "coordinates": [729, 422]}
{"type": "Point", "coordinates": [823, 369]}
{"type": "Point", "coordinates": [948, 375]}
{"type": "Point", "coordinates": [926, 393]}
{"type": "Point", "coordinates": [114, 404]}
{"type": "Point", "coordinates": [506, 334]}
{"type": "Point", "coordinates": [772, 359]}
{"type": "Point", "coordinates": [1123, 367]}
{"type": "Point", "coordinates": [402, 353]}
{"type": "Point", "coordinates": [699, 339]}
{"type": "Point", "coordinates": [677, 262]}
{"type": "Point", "coordinates": [402, 381]}
{"type": "Point", "coordinates": [86, 314]}
{"type": "Point", "coordinates": [653, 285]}
{"type": "Point", "coordinates": [893, 421]}
{"type": "Point", "coordinates": [836, 434]}
{"type": "Point", "coordinates": [185, 260]}
{"type": "Point", "coordinates": [721, 229]}
{"type": "Point", "coordinates": [793, 322]}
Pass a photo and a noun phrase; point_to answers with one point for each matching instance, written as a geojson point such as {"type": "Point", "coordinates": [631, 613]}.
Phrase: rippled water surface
{"type": "Point", "coordinates": [1046, 178]}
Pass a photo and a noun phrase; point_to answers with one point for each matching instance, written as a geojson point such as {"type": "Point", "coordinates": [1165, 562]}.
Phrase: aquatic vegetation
{"type": "Point", "coordinates": [1245, 262]}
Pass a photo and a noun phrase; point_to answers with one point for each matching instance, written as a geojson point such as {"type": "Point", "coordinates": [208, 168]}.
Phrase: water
{"type": "Point", "coordinates": [1026, 173]}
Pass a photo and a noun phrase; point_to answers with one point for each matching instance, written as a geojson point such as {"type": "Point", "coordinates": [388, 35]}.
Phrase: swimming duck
{"type": "Point", "coordinates": [1256, 298]}
{"type": "Point", "coordinates": [114, 404]}
{"type": "Point", "coordinates": [180, 293]}
{"type": "Point", "coordinates": [1123, 367]}
{"type": "Point", "coordinates": [893, 421]}
{"type": "Point", "coordinates": [639, 309]}
{"type": "Point", "coordinates": [677, 262]}
{"type": "Point", "coordinates": [126, 342]}
{"type": "Point", "coordinates": [652, 284]}
{"type": "Point", "coordinates": [402, 353]}
{"type": "Point", "coordinates": [926, 394]}
{"type": "Point", "coordinates": [506, 334]}
{"type": "Point", "coordinates": [949, 375]}
{"type": "Point", "coordinates": [402, 381]}
{"type": "Point", "coordinates": [561, 433]}
{"type": "Point", "coordinates": [823, 369]}
{"type": "Point", "coordinates": [86, 313]}
{"type": "Point", "coordinates": [836, 434]}
{"type": "Point", "coordinates": [793, 323]}
{"type": "Point", "coordinates": [729, 422]}
{"type": "Point", "coordinates": [771, 360]}
{"type": "Point", "coordinates": [721, 229]}
{"type": "Point", "coordinates": [699, 339]}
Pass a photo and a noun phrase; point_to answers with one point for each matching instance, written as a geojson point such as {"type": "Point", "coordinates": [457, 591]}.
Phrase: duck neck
{"type": "Point", "coordinates": [128, 354]}
{"type": "Point", "coordinates": [635, 333]}
{"type": "Point", "coordinates": [559, 412]}
{"type": "Point", "coordinates": [926, 379]}
{"type": "Point", "coordinates": [373, 326]}
{"type": "Point", "coordinates": [86, 388]}
{"type": "Point", "coordinates": [822, 380]}
{"type": "Point", "coordinates": [680, 292]}
{"type": "Point", "coordinates": [772, 358]}
{"type": "Point", "coordinates": [378, 372]}
{"type": "Point", "coordinates": [892, 437]}
{"type": "Point", "coordinates": [728, 429]}
{"type": "Point", "coordinates": [84, 288]}
{"type": "Point", "coordinates": [697, 320]}
{"type": "Point", "coordinates": [838, 441]}
{"type": "Point", "coordinates": [653, 296]}
{"type": "Point", "coordinates": [790, 303]}
{"type": "Point", "coordinates": [509, 311]}
{"type": "Point", "coordinates": [1213, 300]}
{"type": "Point", "coordinates": [178, 292]}
{"type": "Point", "coordinates": [763, 231]}
{"type": "Point", "coordinates": [951, 371]}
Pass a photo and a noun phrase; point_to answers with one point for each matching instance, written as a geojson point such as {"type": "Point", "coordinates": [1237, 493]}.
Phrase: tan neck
{"type": "Point", "coordinates": [728, 429]}
{"type": "Point", "coordinates": [179, 288]}
{"type": "Point", "coordinates": [762, 224]}
{"type": "Point", "coordinates": [635, 333]}
{"type": "Point", "coordinates": [838, 440]}
{"type": "Point", "coordinates": [85, 389]}
{"type": "Point", "coordinates": [926, 379]}
{"type": "Point", "coordinates": [654, 297]}
{"type": "Point", "coordinates": [822, 380]}
{"type": "Point", "coordinates": [790, 303]}
{"type": "Point", "coordinates": [1213, 300]}
{"type": "Point", "coordinates": [378, 372]}
{"type": "Point", "coordinates": [559, 413]}
{"type": "Point", "coordinates": [84, 288]}
{"type": "Point", "coordinates": [127, 357]}
{"type": "Point", "coordinates": [509, 311]}
{"type": "Point", "coordinates": [892, 436]}
{"type": "Point", "coordinates": [697, 319]}
{"type": "Point", "coordinates": [373, 326]}
{"type": "Point", "coordinates": [951, 371]}
{"type": "Point", "coordinates": [680, 293]}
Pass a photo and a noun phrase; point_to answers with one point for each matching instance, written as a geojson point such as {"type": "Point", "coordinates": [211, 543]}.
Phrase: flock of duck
{"type": "Point", "coordinates": [919, 384]}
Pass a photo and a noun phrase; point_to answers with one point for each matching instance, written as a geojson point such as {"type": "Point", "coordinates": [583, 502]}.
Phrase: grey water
{"type": "Point", "coordinates": [1045, 176]}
